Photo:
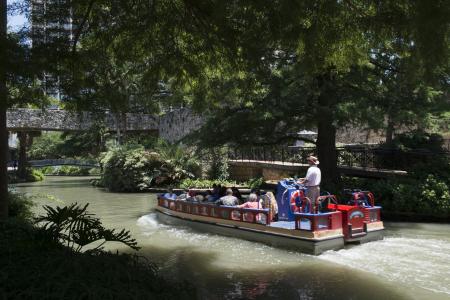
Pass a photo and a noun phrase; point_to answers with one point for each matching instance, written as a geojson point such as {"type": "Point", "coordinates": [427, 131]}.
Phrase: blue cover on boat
{"type": "Point", "coordinates": [285, 188]}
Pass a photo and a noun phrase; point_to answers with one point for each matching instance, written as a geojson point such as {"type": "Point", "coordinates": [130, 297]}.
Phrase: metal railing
{"type": "Point", "coordinates": [369, 156]}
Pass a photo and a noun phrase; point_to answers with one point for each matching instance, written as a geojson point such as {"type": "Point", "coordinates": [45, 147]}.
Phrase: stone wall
{"type": "Point", "coordinates": [178, 123]}
{"type": "Point", "coordinates": [35, 119]}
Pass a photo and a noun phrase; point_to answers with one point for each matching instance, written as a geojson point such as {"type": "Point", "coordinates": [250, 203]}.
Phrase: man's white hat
{"type": "Point", "coordinates": [313, 159]}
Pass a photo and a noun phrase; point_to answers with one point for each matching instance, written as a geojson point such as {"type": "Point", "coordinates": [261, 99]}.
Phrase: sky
{"type": "Point", "coordinates": [17, 21]}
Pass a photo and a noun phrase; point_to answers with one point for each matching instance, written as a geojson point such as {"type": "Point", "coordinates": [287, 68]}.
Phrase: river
{"type": "Point", "coordinates": [411, 262]}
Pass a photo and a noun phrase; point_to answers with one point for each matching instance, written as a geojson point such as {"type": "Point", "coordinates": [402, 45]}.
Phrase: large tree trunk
{"type": "Point", "coordinates": [3, 106]}
{"type": "Point", "coordinates": [326, 135]}
{"type": "Point", "coordinates": [23, 143]}
{"type": "Point", "coordinates": [389, 132]}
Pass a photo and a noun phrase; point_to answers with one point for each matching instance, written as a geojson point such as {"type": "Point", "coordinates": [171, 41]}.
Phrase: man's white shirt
{"type": "Point", "coordinates": [313, 176]}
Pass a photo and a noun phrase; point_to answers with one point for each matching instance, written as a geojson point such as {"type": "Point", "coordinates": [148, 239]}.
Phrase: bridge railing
{"type": "Point", "coordinates": [63, 162]}
{"type": "Point", "coordinates": [366, 156]}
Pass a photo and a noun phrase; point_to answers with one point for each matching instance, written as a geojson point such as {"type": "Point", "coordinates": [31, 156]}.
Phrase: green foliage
{"type": "Point", "coordinates": [32, 175]}
{"type": "Point", "coordinates": [423, 192]}
{"type": "Point", "coordinates": [20, 206]}
{"type": "Point", "coordinates": [218, 163]}
{"type": "Point", "coordinates": [206, 183]}
{"type": "Point", "coordinates": [418, 140]}
{"type": "Point", "coordinates": [254, 183]}
{"type": "Point", "coordinates": [415, 152]}
{"type": "Point", "coordinates": [180, 156]}
{"type": "Point", "coordinates": [35, 175]}
{"type": "Point", "coordinates": [130, 169]}
{"type": "Point", "coordinates": [94, 171]}
{"type": "Point", "coordinates": [35, 265]}
{"type": "Point", "coordinates": [69, 170]}
{"type": "Point", "coordinates": [46, 146]}
{"type": "Point", "coordinates": [59, 145]}
{"type": "Point", "coordinates": [75, 228]}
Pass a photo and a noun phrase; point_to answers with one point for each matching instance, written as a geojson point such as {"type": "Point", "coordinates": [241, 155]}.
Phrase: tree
{"type": "Point", "coordinates": [320, 67]}
{"type": "Point", "coordinates": [3, 107]}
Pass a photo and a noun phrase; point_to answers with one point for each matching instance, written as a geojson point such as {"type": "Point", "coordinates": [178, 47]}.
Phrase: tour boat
{"type": "Point", "coordinates": [300, 226]}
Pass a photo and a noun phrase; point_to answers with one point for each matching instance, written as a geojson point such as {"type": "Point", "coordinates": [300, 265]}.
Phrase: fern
{"type": "Point", "coordinates": [76, 228]}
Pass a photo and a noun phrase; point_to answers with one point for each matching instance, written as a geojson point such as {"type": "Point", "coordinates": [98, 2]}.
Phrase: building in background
{"type": "Point", "coordinates": [52, 33]}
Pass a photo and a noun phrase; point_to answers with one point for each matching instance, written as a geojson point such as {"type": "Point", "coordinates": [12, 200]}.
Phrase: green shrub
{"type": "Point", "coordinates": [429, 195]}
{"type": "Point", "coordinates": [20, 206]}
{"type": "Point", "coordinates": [32, 175]}
{"type": "Point", "coordinates": [67, 170]}
{"type": "Point", "coordinates": [255, 183]}
{"type": "Point", "coordinates": [206, 183]}
{"type": "Point", "coordinates": [47, 170]}
{"type": "Point", "coordinates": [218, 163]}
{"type": "Point", "coordinates": [180, 156]}
{"type": "Point", "coordinates": [135, 169]}
{"type": "Point", "coordinates": [94, 171]}
{"type": "Point", "coordinates": [35, 175]}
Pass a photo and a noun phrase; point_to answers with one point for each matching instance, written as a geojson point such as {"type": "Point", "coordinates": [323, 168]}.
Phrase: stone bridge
{"type": "Point", "coordinates": [171, 126]}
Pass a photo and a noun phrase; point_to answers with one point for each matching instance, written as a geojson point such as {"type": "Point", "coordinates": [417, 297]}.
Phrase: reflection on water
{"type": "Point", "coordinates": [412, 262]}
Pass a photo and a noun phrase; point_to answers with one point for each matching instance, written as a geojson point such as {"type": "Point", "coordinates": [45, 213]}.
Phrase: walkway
{"type": "Point", "coordinates": [275, 168]}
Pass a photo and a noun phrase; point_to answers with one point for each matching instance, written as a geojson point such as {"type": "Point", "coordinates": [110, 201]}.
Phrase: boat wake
{"type": "Point", "coordinates": [415, 262]}
{"type": "Point", "coordinates": [150, 225]}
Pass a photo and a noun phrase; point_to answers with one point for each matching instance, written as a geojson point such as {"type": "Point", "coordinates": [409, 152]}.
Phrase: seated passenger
{"type": "Point", "coordinates": [209, 196]}
{"type": "Point", "coordinates": [183, 196]}
{"type": "Point", "coordinates": [252, 202]}
{"type": "Point", "coordinates": [222, 191]}
{"type": "Point", "coordinates": [215, 192]}
{"type": "Point", "coordinates": [271, 203]}
{"type": "Point", "coordinates": [170, 194]}
{"type": "Point", "coordinates": [191, 196]}
{"type": "Point", "coordinates": [228, 199]}
{"type": "Point", "coordinates": [200, 198]}
{"type": "Point", "coordinates": [257, 192]}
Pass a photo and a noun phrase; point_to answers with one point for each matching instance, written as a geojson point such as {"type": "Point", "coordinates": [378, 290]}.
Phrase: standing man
{"type": "Point", "coordinates": [312, 180]}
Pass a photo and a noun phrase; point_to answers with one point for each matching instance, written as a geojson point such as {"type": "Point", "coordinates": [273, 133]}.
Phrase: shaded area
{"type": "Point", "coordinates": [36, 267]}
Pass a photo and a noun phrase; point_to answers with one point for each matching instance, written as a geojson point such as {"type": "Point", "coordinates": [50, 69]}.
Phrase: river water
{"type": "Point", "coordinates": [411, 262]}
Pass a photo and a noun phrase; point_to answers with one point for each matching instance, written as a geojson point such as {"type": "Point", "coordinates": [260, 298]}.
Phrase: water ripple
{"type": "Point", "coordinates": [415, 262]}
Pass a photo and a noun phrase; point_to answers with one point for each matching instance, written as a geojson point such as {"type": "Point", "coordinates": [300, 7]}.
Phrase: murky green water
{"type": "Point", "coordinates": [412, 262]}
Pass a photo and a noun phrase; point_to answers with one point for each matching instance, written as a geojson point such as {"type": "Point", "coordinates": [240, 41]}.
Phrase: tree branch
{"type": "Point", "coordinates": [81, 26]}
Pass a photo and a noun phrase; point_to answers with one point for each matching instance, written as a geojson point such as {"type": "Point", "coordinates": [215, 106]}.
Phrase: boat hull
{"type": "Point", "coordinates": [257, 233]}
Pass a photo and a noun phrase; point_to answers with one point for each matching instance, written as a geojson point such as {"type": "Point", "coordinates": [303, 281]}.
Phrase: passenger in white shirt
{"type": "Point", "coordinates": [312, 180]}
